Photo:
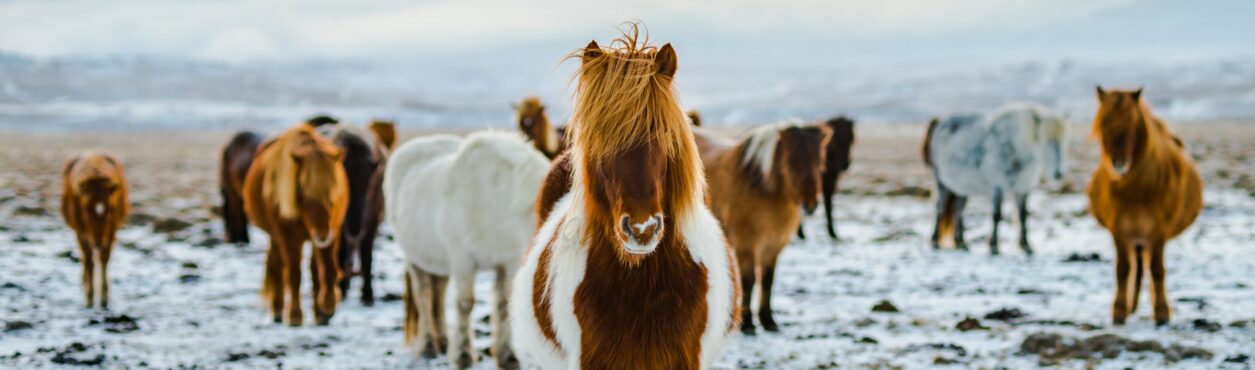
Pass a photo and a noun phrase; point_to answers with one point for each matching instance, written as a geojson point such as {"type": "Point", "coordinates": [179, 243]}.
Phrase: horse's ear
{"type": "Point", "coordinates": [1137, 94]}
{"type": "Point", "coordinates": [592, 51]}
{"type": "Point", "coordinates": [1101, 92]}
{"type": "Point", "coordinates": [665, 60]}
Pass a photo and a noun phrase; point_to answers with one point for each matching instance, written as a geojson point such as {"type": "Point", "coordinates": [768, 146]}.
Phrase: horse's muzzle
{"type": "Point", "coordinates": [1120, 166]}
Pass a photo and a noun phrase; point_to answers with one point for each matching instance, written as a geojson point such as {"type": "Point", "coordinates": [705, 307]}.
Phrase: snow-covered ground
{"type": "Point", "coordinates": [198, 306]}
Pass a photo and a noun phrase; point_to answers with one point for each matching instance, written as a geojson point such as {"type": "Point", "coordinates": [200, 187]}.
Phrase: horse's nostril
{"type": "Point", "coordinates": [626, 226]}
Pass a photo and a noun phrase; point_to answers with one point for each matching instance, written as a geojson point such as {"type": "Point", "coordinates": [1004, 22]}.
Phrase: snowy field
{"type": "Point", "coordinates": [181, 299]}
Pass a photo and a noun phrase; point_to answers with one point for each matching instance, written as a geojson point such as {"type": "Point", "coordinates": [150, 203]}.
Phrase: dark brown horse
{"type": "Point", "coordinates": [297, 191]}
{"type": "Point", "coordinates": [364, 154]}
{"type": "Point", "coordinates": [237, 157]}
{"type": "Point", "coordinates": [838, 161]}
{"type": "Point", "coordinates": [95, 205]}
{"type": "Point", "coordinates": [1145, 191]}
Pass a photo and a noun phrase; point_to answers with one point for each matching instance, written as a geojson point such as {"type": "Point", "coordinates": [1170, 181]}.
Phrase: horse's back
{"type": "Point", "coordinates": [494, 180]}
{"type": "Point", "coordinates": [711, 144]}
{"type": "Point", "coordinates": [958, 153]}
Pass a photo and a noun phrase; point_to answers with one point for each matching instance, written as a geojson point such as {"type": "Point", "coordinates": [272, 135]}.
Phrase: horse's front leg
{"type": "Point", "coordinates": [292, 263]}
{"type": "Point", "coordinates": [830, 189]}
{"type": "Point", "coordinates": [327, 295]}
{"type": "Point", "coordinates": [85, 259]}
{"type": "Point", "coordinates": [1120, 307]}
{"type": "Point", "coordinates": [997, 216]}
{"type": "Point", "coordinates": [748, 265]}
{"type": "Point", "coordinates": [1021, 206]}
{"type": "Point", "coordinates": [501, 350]}
{"type": "Point", "coordinates": [1158, 289]}
{"type": "Point", "coordinates": [460, 352]}
{"type": "Point", "coordinates": [365, 259]}
{"type": "Point", "coordinates": [765, 315]}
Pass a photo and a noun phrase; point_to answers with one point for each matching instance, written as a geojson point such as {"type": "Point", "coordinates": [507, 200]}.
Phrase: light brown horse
{"type": "Point", "coordinates": [532, 120]}
{"type": "Point", "coordinates": [297, 191]}
{"type": "Point", "coordinates": [631, 270]}
{"type": "Point", "coordinates": [1145, 190]}
{"type": "Point", "coordinates": [94, 203]}
{"type": "Point", "coordinates": [756, 186]}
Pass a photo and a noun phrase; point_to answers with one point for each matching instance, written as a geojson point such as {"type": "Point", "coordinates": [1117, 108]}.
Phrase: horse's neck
{"type": "Point", "coordinates": [1158, 158]}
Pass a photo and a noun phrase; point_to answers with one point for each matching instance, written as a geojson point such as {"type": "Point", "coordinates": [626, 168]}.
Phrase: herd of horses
{"type": "Point", "coordinates": [630, 238]}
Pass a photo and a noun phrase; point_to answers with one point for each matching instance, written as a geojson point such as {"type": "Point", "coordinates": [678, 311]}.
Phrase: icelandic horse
{"type": "Point", "coordinates": [630, 270]}
{"type": "Point", "coordinates": [365, 153]}
{"type": "Point", "coordinates": [237, 157]}
{"type": "Point", "coordinates": [1145, 191]}
{"type": "Point", "coordinates": [95, 205]}
{"type": "Point", "coordinates": [837, 161]}
{"type": "Point", "coordinates": [756, 186]}
{"type": "Point", "coordinates": [532, 120]}
{"type": "Point", "coordinates": [297, 191]}
{"type": "Point", "coordinates": [1003, 153]}
{"type": "Point", "coordinates": [460, 205]}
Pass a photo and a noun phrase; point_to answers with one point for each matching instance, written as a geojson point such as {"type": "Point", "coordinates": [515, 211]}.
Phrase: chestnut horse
{"type": "Point", "coordinates": [95, 205]}
{"type": "Point", "coordinates": [836, 163]}
{"type": "Point", "coordinates": [364, 154]}
{"type": "Point", "coordinates": [631, 270]}
{"type": "Point", "coordinates": [297, 191]}
{"type": "Point", "coordinates": [237, 157]}
{"type": "Point", "coordinates": [532, 120]}
{"type": "Point", "coordinates": [1145, 190]}
{"type": "Point", "coordinates": [756, 185]}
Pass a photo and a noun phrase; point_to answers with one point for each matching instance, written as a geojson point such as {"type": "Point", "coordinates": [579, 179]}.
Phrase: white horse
{"type": "Point", "coordinates": [1004, 152]}
{"type": "Point", "coordinates": [459, 206]}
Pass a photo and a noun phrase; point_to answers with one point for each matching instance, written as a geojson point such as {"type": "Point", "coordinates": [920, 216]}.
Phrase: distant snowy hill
{"type": "Point", "coordinates": [125, 93]}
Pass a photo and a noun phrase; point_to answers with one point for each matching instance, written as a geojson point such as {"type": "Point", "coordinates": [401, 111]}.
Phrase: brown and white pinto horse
{"type": "Point", "coordinates": [237, 157]}
{"type": "Point", "coordinates": [631, 270]}
{"type": "Point", "coordinates": [1145, 190]}
{"type": "Point", "coordinates": [530, 114]}
{"type": "Point", "coordinates": [297, 191]}
{"type": "Point", "coordinates": [756, 185]}
{"type": "Point", "coordinates": [95, 205]}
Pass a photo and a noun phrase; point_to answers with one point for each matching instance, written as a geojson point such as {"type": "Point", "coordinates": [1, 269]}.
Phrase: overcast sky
{"type": "Point", "coordinates": [769, 33]}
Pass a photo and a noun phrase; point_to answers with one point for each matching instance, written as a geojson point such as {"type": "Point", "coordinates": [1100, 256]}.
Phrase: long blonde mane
{"type": "Point", "coordinates": [285, 182]}
{"type": "Point", "coordinates": [621, 101]}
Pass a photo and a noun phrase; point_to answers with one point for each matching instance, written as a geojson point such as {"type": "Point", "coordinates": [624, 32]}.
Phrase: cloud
{"type": "Point", "coordinates": [261, 30]}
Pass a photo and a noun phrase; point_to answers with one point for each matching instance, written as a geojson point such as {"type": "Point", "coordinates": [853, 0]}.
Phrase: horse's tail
{"type": "Point", "coordinates": [928, 140]}
{"type": "Point", "coordinates": [410, 327]}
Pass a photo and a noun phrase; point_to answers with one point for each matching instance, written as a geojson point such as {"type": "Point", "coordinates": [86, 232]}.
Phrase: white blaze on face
{"type": "Point", "coordinates": [641, 227]}
{"type": "Point", "coordinates": [100, 209]}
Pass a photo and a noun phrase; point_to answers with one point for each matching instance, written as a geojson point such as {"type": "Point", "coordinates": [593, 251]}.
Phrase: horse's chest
{"type": "Point", "coordinates": [643, 318]}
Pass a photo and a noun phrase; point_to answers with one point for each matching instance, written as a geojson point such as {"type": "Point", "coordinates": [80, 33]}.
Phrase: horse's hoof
{"type": "Point", "coordinates": [277, 319]}
{"type": "Point", "coordinates": [429, 351]}
{"type": "Point", "coordinates": [993, 250]}
{"type": "Point", "coordinates": [322, 319]}
{"type": "Point", "coordinates": [508, 361]}
{"type": "Point", "coordinates": [770, 326]}
{"type": "Point", "coordinates": [1159, 323]}
{"type": "Point", "coordinates": [464, 361]}
{"type": "Point", "coordinates": [747, 329]}
{"type": "Point", "coordinates": [1117, 321]}
{"type": "Point", "coordinates": [368, 301]}
{"type": "Point", "coordinates": [961, 246]}
{"type": "Point", "coordinates": [1027, 250]}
